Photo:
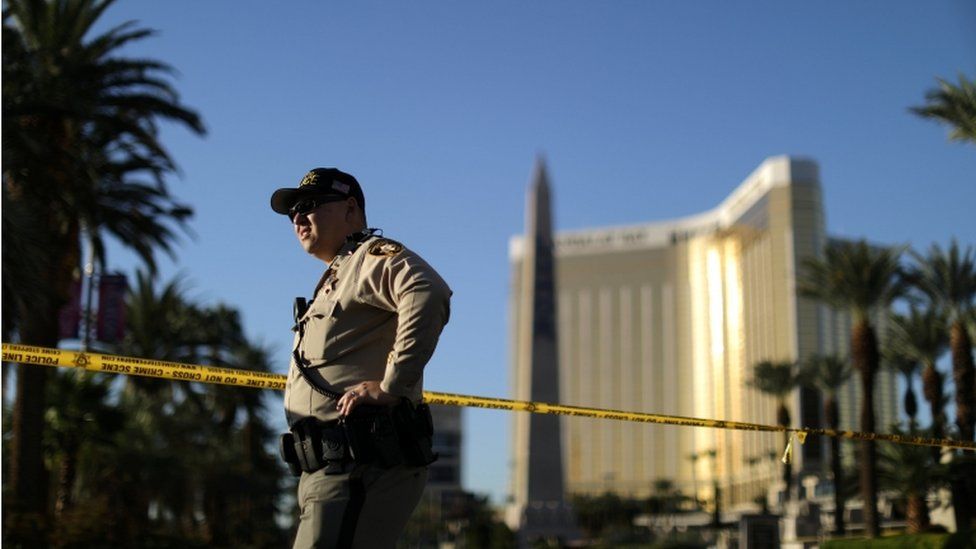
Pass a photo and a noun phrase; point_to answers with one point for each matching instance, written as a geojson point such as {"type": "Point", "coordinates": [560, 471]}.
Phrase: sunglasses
{"type": "Point", "coordinates": [306, 205]}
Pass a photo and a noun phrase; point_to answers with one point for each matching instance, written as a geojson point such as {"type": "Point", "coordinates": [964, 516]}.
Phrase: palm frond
{"type": "Point", "coordinates": [775, 378]}
{"type": "Point", "coordinates": [854, 276]}
{"type": "Point", "coordinates": [826, 372]}
{"type": "Point", "coordinates": [920, 336]}
{"type": "Point", "coordinates": [947, 278]}
{"type": "Point", "coordinates": [954, 105]}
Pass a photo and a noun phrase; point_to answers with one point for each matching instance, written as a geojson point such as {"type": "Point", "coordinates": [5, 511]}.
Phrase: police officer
{"type": "Point", "coordinates": [360, 436]}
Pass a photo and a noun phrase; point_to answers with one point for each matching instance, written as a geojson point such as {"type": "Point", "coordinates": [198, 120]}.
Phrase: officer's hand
{"type": "Point", "coordinates": [367, 392]}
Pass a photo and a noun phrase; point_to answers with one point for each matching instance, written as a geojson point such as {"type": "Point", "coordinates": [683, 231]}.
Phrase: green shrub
{"type": "Point", "coordinates": [921, 541]}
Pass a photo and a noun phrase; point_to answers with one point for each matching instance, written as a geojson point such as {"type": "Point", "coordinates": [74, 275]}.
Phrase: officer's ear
{"type": "Point", "coordinates": [351, 206]}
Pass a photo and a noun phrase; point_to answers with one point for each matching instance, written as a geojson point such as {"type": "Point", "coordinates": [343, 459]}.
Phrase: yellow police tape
{"type": "Point", "coordinates": [97, 362]}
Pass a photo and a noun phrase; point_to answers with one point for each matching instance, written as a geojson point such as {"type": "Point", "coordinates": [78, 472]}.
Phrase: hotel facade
{"type": "Point", "coordinates": [670, 318]}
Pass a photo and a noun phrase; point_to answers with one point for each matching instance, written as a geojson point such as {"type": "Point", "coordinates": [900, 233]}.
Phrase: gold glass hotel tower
{"type": "Point", "coordinates": [670, 318]}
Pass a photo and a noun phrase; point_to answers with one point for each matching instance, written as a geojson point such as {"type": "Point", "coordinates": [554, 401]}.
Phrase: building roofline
{"type": "Point", "coordinates": [776, 171]}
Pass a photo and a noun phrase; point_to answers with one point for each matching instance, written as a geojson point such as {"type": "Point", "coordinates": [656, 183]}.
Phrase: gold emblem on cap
{"type": "Point", "coordinates": [311, 178]}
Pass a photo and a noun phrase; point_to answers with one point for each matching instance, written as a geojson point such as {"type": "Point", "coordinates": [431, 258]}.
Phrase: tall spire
{"type": "Point", "coordinates": [538, 268]}
{"type": "Point", "coordinates": [539, 508]}
{"type": "Point", "coordinates": [538, 216]}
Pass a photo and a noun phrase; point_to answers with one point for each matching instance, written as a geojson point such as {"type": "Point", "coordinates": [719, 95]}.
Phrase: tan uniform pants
{"type": "Point", "coordinates": [365, 508]}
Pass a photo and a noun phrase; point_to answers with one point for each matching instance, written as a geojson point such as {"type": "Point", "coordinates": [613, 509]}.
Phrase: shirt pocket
{"type": "Point", "coordinates": [320, 330]}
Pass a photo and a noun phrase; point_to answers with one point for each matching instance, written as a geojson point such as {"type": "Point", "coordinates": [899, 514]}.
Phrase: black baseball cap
{"type": "Point", "coordinates": [318, 182]}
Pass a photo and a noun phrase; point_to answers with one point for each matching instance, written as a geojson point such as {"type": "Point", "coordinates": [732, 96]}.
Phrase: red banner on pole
{"type": "Point", "coordinates": [69, 320]}
{"type": "Point", "coordinates": [111, 308]}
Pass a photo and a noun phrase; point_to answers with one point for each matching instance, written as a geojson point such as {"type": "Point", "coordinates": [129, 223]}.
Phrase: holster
{"type": "Point", "coordinates": [372, 436]}
{"type": "Point", "coordinates": [415, 427]}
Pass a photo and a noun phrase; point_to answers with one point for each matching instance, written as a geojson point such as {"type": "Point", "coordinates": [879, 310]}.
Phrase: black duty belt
{"type": "Point", "coordinates": [382, 435]}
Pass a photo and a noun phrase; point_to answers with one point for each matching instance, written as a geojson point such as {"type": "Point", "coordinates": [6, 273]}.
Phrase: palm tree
{"type": "Point", "coordinates": [665, 497]}
{"type": "Point", "coordinates": [79, 135]}
{"type": "Point", "coordinates": [199, 470]}
{"type": "Point", "coordinates": [693, 458]}
{"type": "Point", "coordinates": [948, 279]}
{"type": "Point", "coordinates": [920, 336]}
{"type": "Point", "coordinates": [217, 437]}
{"type": "Point", "coordinates": [242, 478]}
{"type": "Point", "coordinates": [908, 368]}
{"type": "Point", "coordinates": [911, 472]}
{"type": "Point", "coordinates": [260, 473]}
{"type": "Point", "coordinates": [862, 279]}
{"type": "Point", "coordinates": [778, 379]}
{"type": "Point", "coordinates": [81, 416]}
{"type": "Point", "coordinates": [953, 105]}
{"type": "Point", "coordinates": [828, 373]}
{"type": "Point", "coordinates": [716, 491]}
{"type": "Point", "coordinates": [163, 324]}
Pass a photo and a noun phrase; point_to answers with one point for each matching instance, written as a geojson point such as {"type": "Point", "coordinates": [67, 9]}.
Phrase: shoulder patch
{"type": "Point", "coordinates": [385, 247]}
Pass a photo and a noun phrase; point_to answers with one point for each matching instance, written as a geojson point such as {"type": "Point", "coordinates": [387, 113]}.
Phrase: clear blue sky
{"type": "Point", "coordinates": [645, 110]}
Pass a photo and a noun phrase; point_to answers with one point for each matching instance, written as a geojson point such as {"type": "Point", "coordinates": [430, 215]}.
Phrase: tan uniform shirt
{"type": "Point", "coordinates": [376, 315]}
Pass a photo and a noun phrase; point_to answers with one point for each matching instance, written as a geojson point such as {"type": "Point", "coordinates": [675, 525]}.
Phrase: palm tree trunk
{"type": "Point", "coordinates": [783, 418]}
{"type": "Point", "coordinates": [38, 326]}
{"type": "Point", "coordinates": [864, 346]}
{"type": "Point", "coordinates": [963, 375]}
{"type": "Point", "coordinates": [911, 404]}
{"type": "Point", "coordinates": [932, 390]}
{"type": "Point", "coordinates": [27, 503]}
{"type": "Point", "coordinates": [5, 376]}
{"type": "Point", "coordinates": [66, 478]}
{"type": "Point", "coordinates": [832, 415]}
{"type": "Point", "coordinates": [252, 451]}
{"type": "Point", "coordinates": [131, 502]}
{"type": "Point", "coordinates": [917, 519]}
{"type": "Point", "coordinates": [215, 506]}
{"type": "Point", "coordinates": [959, 487]}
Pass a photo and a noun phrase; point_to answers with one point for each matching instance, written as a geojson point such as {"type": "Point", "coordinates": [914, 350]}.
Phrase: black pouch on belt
{"type": "Point", "coordinates": [286, 447]}
{"type": "Point", "coordinates": [308, 447]}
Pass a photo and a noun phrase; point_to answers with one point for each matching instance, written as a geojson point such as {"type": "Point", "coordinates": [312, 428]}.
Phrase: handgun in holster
{"type": "Point", "coordinates": [416, 429]}
{"type": "Point", "coordinates": [373, 437]}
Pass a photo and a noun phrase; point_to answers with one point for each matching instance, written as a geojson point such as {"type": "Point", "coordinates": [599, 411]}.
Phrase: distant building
{"type": "Point", "coordinates": [443, 496]}
{"type": "Point", "coordinates": [670, 317]}
{"type": "Point", "coordinates": [444, 475]}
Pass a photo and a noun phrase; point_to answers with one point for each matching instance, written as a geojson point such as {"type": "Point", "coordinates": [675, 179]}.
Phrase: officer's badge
{"type": "Point", "coordinates": [385, 247]}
